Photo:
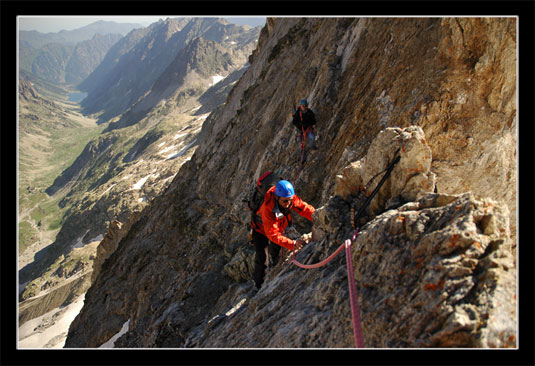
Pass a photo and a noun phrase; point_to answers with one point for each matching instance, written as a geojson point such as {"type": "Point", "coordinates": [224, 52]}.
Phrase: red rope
{"type": "Point", "coordinates": [353, 298]}
{"type": "Point", "coordinates": [357, 331]}
{"type": "Point", "coordinates": [317, 265]}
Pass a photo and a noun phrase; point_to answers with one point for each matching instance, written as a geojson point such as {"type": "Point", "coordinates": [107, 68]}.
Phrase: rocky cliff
{"type": "Point", "coordinates": [434, 258]}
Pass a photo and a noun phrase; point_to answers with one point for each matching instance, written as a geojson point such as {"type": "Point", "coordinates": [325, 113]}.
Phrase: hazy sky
{"type": "Point", "coordinates": [53, 24]}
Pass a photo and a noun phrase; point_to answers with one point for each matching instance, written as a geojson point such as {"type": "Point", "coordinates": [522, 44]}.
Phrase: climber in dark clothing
{"type": "Point", "coordinates": [304, 121]}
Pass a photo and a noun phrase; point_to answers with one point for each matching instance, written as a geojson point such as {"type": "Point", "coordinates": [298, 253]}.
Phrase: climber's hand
{"type": "Point", "coordinates": [299, 243]}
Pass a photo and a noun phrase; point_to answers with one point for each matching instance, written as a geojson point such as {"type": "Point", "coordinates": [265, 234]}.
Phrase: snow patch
{"type": "Point", "coordinates": [110, 187]}
{"type": "Point", "coordinates": [190, 111]}
{"type": "Point", "coordinates": [171, 177]}
{"type": "Point", "coordinates": [79, 243]}
{"type": "Point", "coordinates": [202, 116]}
{"type": "Point", "coordinates": [183, 151]}
{"type": "Point", "coordinates": [133, 155]}
{"type": "Point", "coordinates": [236, 307]}
{"type": "Point", "coordinates": [140, 183]}
{"type": "Point", "coordinates": [111, 342]}
{"type": "Point", "coordinates": [97, 238]}
{"type": "Point", "coordinates": [31, 335]}
{"type": "Point", "coordinates": [216, 79]}
{"type": "Point", "coordinates": [166, 149]}
{"type": "Point", "coordinates": [179, 135]}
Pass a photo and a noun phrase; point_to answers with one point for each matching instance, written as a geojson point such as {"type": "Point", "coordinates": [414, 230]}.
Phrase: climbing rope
{"type": "Point", "coordinates": [320, 264]}
{"type": "Point", "coordinates": [353, 298]}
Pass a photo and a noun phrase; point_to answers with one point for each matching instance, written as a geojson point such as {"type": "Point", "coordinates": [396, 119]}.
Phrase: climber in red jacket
{"type": "Point", "coordinates": [275, 216]}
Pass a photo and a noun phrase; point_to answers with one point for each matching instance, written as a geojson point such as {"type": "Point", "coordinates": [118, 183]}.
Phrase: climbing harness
{"type": "Point", "coordinates": [353, 298]}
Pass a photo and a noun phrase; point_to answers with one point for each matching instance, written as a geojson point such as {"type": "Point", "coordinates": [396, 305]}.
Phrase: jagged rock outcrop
{"type": "Point", "coordinates": [108, 245]}
{"type": "Point", "coordinates": [408, 183]}
{"type": "Point", "coordinates": [432, 269]}
{"type": "Point", "coordinates": [431, 273]}
{"type": "Point", "coordinates": [27, 91]}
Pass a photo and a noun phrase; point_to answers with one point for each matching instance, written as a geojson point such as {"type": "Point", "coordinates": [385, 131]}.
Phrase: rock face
{"type": "Point", "coordinates": [433, 273]}
{"type": "Point", "coordinates": [408, 183]}
{"type": "Point", "coordinates": [108, 245]}
{"type": "Point", "coordinates": [434, 258]}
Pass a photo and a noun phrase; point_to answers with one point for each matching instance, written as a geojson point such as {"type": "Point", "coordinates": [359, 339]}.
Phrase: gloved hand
{"type": "Point", "coordinates": [299, 243]}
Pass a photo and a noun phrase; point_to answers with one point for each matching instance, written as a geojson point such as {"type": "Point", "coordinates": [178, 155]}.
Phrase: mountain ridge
{"type": "Point", "coordinates": [38, 39]}
{"type": "Point", "coordinates": [150, 56]}
{"type": "Point", "coordinates": [65, 63]}
{"type": "Point", "coordinates": [446, 258]}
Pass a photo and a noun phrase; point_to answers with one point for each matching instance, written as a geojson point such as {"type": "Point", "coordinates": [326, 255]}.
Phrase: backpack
{"type": "Point", "coordinates": [256, 197]}
{"type": "Point", "coordinates": [263, 184]}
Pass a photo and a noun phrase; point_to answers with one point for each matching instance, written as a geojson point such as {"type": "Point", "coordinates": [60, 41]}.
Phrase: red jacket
{"type": "Point", "coordinates": [273, 227]}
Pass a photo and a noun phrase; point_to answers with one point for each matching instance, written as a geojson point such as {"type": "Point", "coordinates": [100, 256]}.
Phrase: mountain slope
{"type": "Point", "coordinates": [52, 132]}
{"type": "Point", "coordinates": [192, 71]}
{"type": "Point", "coordinates": [87, 55]}
{"type": "Point", "coordinates": [118, 83]}
{"type": "Point", "coordinates": [121, 170]}
{"type": "Point", "coordinates": [432, 269]}
{"type": "Point", "coordinates": [65, 63]}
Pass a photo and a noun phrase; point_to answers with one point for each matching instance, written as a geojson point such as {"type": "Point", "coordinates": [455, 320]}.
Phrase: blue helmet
{"type": "Point", "coordinates": [303, 102]}
{"type": "Point", "coordinates": [284, 189]}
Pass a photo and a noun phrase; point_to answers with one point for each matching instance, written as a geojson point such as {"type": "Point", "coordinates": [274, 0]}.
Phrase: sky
{"type": "Point", "coordinates": [54, 24]}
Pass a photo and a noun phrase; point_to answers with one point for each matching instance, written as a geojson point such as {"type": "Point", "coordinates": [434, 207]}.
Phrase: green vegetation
{"type": "Point", "coordinates": [27, 235]}
{"type": "Point", "coordinates": [52, 133]}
